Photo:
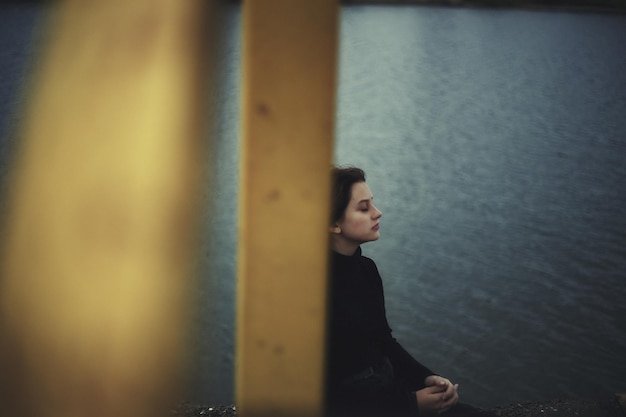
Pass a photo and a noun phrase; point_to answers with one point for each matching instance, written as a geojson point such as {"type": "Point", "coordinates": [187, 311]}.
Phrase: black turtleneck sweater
{"type": "Point", "coordinates": [359, 335]}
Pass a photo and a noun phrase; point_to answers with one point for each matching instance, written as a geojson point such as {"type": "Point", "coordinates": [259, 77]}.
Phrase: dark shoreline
{"type": "Point", "coordinates": [615, 406]}
{"type": "Point", "coordinates": [583, 6]}
{"type": "Point", "coordinates": [580, 7]}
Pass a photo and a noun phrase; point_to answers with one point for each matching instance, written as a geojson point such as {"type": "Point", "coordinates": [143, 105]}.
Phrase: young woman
{"type": "Point", "coordinates": [369, 373]}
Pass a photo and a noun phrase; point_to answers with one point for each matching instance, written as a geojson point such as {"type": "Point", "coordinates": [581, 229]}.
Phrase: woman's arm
{"type": "Point", "coordinates": [405, 365]}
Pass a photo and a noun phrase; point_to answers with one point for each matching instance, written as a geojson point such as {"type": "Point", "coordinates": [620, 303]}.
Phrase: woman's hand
{"type": "Point", "coordinates": [438, 396]}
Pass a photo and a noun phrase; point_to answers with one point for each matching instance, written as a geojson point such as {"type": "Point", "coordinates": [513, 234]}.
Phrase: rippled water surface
{"type": "Point", "coordinates": [495, 145]}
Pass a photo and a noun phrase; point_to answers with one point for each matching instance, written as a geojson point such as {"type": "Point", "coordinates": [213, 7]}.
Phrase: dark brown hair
{"type": "Point", "coordinates": [343, 180]}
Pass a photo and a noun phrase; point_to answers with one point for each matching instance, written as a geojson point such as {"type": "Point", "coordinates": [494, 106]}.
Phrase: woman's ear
{"type": "Point", "coordinates": [335, 229]}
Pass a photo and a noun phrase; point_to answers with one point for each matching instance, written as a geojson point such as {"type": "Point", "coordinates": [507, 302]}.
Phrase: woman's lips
{"type": "Point", "coordinates": [376, 227]}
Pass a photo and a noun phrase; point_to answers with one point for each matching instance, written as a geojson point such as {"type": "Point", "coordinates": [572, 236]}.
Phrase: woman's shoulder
{"type": "Point", "coordinates": [368, 262]}
{"type": "Point", "coordinates": [367, 259]}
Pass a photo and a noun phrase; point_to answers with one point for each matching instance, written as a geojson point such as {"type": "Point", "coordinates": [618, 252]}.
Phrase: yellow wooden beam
{"type": "Point", "coordinates": [289, 68]}
{"type": "Point", "coordinates": [100, 234]}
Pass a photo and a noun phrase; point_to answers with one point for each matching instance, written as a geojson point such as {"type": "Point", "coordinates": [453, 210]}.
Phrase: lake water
{"type": "Point", "coordinates": [495, 144]}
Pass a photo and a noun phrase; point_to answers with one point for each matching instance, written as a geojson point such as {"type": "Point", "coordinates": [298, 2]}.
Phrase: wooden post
{"type": "Point", "coordinates": [289, 67]}
{"type": "Point", "coordinates": [100, 234]}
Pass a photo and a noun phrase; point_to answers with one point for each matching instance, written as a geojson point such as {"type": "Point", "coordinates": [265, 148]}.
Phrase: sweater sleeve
{"type": "Point", "coordinates": [404, 364]}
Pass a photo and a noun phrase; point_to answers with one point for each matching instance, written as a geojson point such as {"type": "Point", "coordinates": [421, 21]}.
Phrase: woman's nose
{"type": "Point", "coordinates": [377, 213]}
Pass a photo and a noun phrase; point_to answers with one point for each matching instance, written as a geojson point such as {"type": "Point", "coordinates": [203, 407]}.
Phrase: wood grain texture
{"type": "Point", "coordinates": [100, 233]}
{"type": "Point", "coordinates": [289, 70]}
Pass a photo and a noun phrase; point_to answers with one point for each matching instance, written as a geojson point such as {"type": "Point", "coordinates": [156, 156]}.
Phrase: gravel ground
{"type": "Point", "coordinates": [564, 408]}
{"type": "Point", "coordinates": [610, 407]}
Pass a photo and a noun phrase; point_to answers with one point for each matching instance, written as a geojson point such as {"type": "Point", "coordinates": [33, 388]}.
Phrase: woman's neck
{"type": "Point", "coordinates": [343, 247]}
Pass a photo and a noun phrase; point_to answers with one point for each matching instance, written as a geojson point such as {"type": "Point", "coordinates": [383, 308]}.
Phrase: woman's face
{"type": "Point", "coordinates": [360, 222]}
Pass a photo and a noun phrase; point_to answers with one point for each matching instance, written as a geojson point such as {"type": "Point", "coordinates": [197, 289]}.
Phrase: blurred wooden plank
{"type": "Point", "coordinates": [100, 234]}
{"type": "Point", "coordinates": [289, 67]}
